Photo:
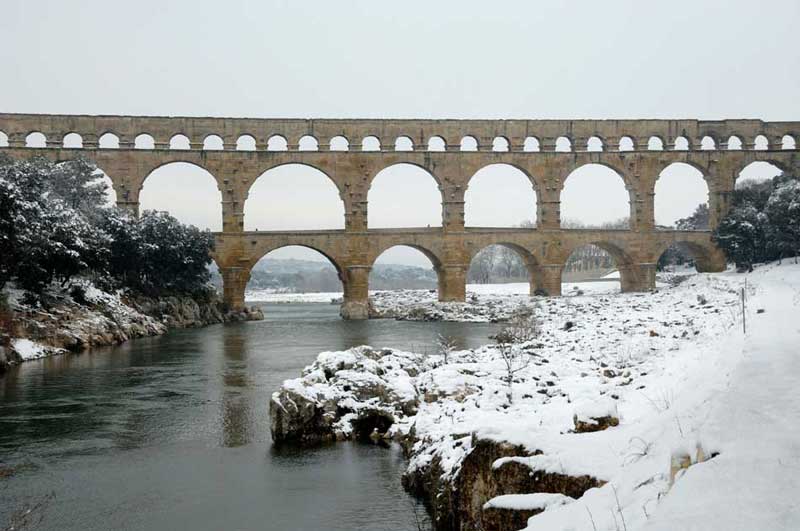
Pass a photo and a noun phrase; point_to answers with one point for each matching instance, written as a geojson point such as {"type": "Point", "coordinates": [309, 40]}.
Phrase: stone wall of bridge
{"type": "Point", "coordinates": [353, 250]}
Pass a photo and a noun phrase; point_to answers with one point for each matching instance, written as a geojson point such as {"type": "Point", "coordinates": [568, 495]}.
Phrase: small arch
{"type": "Point", "coordinates": [563, 144]}
{"type": "Point", "coordinates": [500, 143]}
{"type": "Point", "coordinates": [734, 143]}
{"type": "Point", "coordinates": [277, 143]}
{"type": "Point", "coordinates": [502, 263]}
{"type": "Point", "coordinates": [594, 144]}
{"type": "Point", "coordinates": [36, 140]}
{"type": "Point", "coordinates": [246, 143]}
{"type": "Point", "coordinates": [708, 143]}
{"type": "Point", "coordinates": [405, 256]}
{"type": "Point", "coordinates": [108, 141]}
{"type": "Point", "coordinates": [592, 267]}
{"type": "Point", "coordinates": [681, 198]}
{"type": "Point", "coordinates": [580, 207]}
{"type": "Point", "coordinates": [144, 141]}
{"type": "Point", "coordinates": [72, 141]}
{"type": "Point", "coordinates": [308, 143]}
{"type": "Point", "coordinates": [684, 256]}
{"type": "Point", "coordinates": [655, 143]}
{"type": "Point", "coordinates": [531, 144]}
{"type": "Point", "coordinates": [187, 191]}
{"type": "Point", "coordinates": [761, 143]}
{"type": "Point", "coordinates": [500, 195]}
{"type": "Point", "coordinates": [681, 144]}
{"type": "Point", "coordinates": [437, 143]}
{"type": "Point", "coordinates": [213, 143]}
{"type": "Point", "coordinates": [404, 195]}
{"type": "Point", "coordinates": [339, 143]}
{"type": "Point", "coordinates": [3, 139]}
{"type": "Point", "coordinates": [296, 268]}
{"type": "Point", "coordinates": [179, 141]}
{"type": "Point", "coordinates": [788, 142]}
{"type": "Point", "coordinates": [371, 143]}
{"type": "Point", "coordinates": [403, 143]}
{"type": "Point", "coordinates": [469, 143]}
{"type": "Point", "coordinates": [279, 199]}
{"type": "Point", "coordinates": [626, 143]}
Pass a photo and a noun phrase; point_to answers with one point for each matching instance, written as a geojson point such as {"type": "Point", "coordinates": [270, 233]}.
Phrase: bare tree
{"type": "Point", "coordinates": [445, 345]}
{"type": "Point", "coordinates": [522, 328]}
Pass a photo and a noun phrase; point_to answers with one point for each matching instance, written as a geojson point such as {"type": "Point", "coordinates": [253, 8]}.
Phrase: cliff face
{"type": "Point", "coordinates": [77, 321]}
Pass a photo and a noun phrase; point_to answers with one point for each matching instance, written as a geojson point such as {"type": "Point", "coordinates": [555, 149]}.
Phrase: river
{"type": "Point", "coordinates": [172, 432]}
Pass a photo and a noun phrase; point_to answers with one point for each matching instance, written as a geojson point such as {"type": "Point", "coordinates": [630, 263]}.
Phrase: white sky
{"type": "Point", "coordinates": [456, 59]}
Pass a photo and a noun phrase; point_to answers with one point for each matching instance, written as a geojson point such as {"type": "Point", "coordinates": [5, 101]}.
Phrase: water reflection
{"type": "Point", "coordinates": [173, 432]}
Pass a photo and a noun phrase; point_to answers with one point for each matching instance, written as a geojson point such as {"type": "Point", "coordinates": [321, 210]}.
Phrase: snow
{"type": "Point", "coordinates": [30, 350]}
{"type": "Point", "coordinates": [708, 439]}
{"type": "Point", "coordinates": [528, 502]}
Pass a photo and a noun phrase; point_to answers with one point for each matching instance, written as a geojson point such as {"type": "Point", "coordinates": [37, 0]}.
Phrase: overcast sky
{"type": "Point", "coordinates": [459, 59]}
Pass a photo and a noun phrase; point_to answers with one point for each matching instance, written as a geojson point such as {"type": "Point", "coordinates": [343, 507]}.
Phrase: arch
{"type": "Point", "coordinates": [293, 196]}
{"type": "Point", "coordinates": [187, 191]}
{"type": "Point", "coordinates": [563, 144]}
{"type": "Point", "coordinates": [531, 144]}
{"type": "Point", "coordinates": [788, 142]}
{"type": "Point", "coordinates": [277, 143]}
{"type": "Point", "coordinates": [179, 141]}
{"type": "Point", "coordinates": [108, 141]}
{"type": "Point", "coordinates": [626, 143]}
{"type": "Point", "coordinates": [734, 143]}
{"type": "Point", "coordinates": [308, 143]}
{"type": "Point", "coordinates": [757, 171]}
{"type": "Point", "coordinates": [371, 143]}
{"type": "Point", "coordinates": [500, 195]}
{"type": "Point", "coordinates": [655, 143]}
{"type": "Point", "coordinates": [339, 143]}
{"type": "Point", "coordinates": [403, 261]}
{"type": "Point", "coordinates": [761, 143]}
{"type": "Point", "coordinates": [213, 143]}
{"type": "Point", "coordinates": [403, 143]}
{"type": "Point", "coordinates": [504, 262]}
{"type": "Point", "coordinates": [594, 264]}
{"type": "Point", "coordinates": [72, 141]}
{"type": "Point", "coordinates": [437, 143]}
{"type": "Point", "coordinates": [595, 143]}
{"type": "Point", "coordinates": [582, 189]}
{"type": "Point", "coordinates": [404, 195]}
{"type": "Point", "coordinates": [111, 194]}
{"type": "Point", "coordinates": [681, 197]}
{"type": "Point", "coordinates": [681, 144]}
{"type": "Point", "coordinates": [682, 254]}
{"type": "Point", "coordinates": [246, 143]}
{"type": "Point", "coordinates": [144, 141]}
{"type": "Point", "coordinates": [35, 140]}
{"type": "Point", "coordinates": [300, 268]}
{"type": "Point", "coordinates": [708, 143]}
{"type": "Point", "coordinates": [3, 139]}
{"type": "Point", "coordinates": [469, 143]}
{"type": "Point", "coordinates": [500, 143]}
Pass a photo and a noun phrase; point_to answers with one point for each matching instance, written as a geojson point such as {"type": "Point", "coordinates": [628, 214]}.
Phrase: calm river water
{"type": "Point", "coordinates": [172, 433]}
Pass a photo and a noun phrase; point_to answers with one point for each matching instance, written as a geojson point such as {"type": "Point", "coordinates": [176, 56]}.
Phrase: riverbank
{"type": "Point", "coordinates": [620, 403]}
{"type": "Point", "coordinates": [81, 317]}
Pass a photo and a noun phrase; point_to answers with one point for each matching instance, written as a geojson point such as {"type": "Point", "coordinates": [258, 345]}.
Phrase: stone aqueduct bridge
{"type": "Point", "coordinates": [451, 247]}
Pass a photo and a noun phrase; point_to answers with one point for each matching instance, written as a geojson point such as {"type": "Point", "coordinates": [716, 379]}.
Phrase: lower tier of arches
{"type": "Point", "coordinates": [544, 253]}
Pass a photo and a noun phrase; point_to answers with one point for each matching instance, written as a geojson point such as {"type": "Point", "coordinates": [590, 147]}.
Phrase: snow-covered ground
{"type": "Point", "coordinates": [708, 415]}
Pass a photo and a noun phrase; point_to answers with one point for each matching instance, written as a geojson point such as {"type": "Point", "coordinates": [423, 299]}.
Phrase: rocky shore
{"type": "Point", "coordinates": [589, 423]}
{"type": "Point", "coordinates": [74, 320]}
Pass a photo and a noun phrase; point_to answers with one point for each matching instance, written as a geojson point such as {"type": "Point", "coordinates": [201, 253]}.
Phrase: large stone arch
{"type": "Point", "coordinates": [708, 257]}
{"type": "Point", "coordinates": [632, 188]}
{"type": "Point", "coordinates": [395, 162]}
{"type": "Point", "coordinates": [316, 171]}
{"type": "Point", "coordinates": [272, 164]}
{"type": "Point", "coordinates": [686, 187]}
{"type": "Point", "coordinates": [632, 276]}
{"type": "Point", "coordinates": [532, 263]}
{"type": "Point", "coordinates": [509, 168]}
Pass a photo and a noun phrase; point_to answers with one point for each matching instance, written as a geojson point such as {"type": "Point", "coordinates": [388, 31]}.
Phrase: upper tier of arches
{"type": "Point", "coordinates": [408, 135]}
